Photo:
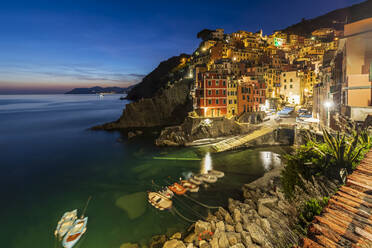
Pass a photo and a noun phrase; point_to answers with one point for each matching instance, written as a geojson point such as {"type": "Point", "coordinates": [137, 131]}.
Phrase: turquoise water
{"type": "Point", "coordinates": [51, 163]}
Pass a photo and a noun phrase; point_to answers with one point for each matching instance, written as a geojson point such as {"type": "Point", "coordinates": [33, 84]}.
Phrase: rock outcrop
{"type": "Point", "coordinates": [169, 107]}
{"type": "Point", "coordinates": [200, 128]}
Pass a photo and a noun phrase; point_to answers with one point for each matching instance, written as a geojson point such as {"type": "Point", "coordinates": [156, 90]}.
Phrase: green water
{"type": "Point", "coordinates": [51, 164]}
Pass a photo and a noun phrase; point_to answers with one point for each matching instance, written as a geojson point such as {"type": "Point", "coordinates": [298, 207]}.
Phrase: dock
{"type": "Point", "coordinates": [237, 141]}
{"type": "Point", "coordinates": [347, 219]}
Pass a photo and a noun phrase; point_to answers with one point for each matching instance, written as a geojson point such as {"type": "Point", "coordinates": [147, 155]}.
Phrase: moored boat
{"type": "Point", "coordinates": [75, 233]}
{"type": "Point", "coordinates": [189, 186]}
{"type": "Point", "coordinates": [159, 201]}
{"type": "Point", "coordinates": [167, 193]}
{"type": "Point", "coordinates": [195, 181]}
{"type": "Point", "coordinates": [216, 173]}
{"type": "Point", "coordinates": [65, 223]}
{"type": "Point", "coordinates": [177, 189]}
{"type": "Point", "coordinates": [208, 178]}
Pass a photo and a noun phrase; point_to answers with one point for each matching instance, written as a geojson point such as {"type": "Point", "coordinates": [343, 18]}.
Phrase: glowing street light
{"type": "Point", "coordinates": [328, 104]}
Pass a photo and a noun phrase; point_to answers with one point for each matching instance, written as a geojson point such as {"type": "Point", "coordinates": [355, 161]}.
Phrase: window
{"type": "Point", "coordinates": [209, 92]}
{"type": "Point", "coordinates": [243, 97]}
{"type": "Point", "coordinates": [285, 80]}
{"type": "Point", "coordinates": [234, 101]}
{"type": "Point", "coordinates": [217, 92]}
{"type": "Point", "coordinates": [249, 90]}
{"type": "Point", "coordinates": [285, 87]}
{"type": "Point", "coordinates": [291, 80]}
{"type": "Point", "coordinates": [230, 101]}
{"type": "Point", "coordinates": [209, 83]}
{"type": "Point", "coordinates": [291, 86]}
{"type": "Point", "coordinates": [223, 83]}
{"type": "Point", "coordinates": [224, 101]}
{"type": "Point", "coordinates": [224, 92]}
{"type": "Point", "coordinates": [217, 83]}
{"type": "Point", "coordinates": [209, 102]}
{"type": "Point", "coordinates": [217, 101]}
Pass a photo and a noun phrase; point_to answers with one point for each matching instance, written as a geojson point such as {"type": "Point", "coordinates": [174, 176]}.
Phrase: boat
{"type": "Point", "coordinates": [159, 201]}
{"type": "Point", "coordinates": [195, 181]}
{"type": "Point", "coordinates": [216, 173]}
{"type": "Point", "coordinates": [177, 189]}
{"type": "Point", "coordinates": [75, 233]}
{"type": "Point", "coordinates": [65, 223]}
{"type": "Point", "coordinates": [189, 186]}
{"type": "Point", "coordinates": [207, 178]}
{"type": "Point", "coordinates": [167, 193]}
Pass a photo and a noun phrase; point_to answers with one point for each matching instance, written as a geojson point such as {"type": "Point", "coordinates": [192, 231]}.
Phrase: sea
{"type": "Point", "coordinates": [52, 162]}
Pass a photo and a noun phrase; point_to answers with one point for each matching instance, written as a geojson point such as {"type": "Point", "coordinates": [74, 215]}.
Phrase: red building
{"type": "Point", "coordinates": [212, 95]}
{"type": "Point", "coordinates": [251, 94]}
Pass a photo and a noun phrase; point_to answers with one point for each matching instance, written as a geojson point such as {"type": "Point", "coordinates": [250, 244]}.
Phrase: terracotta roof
{"type": "Point", "coordinates": [347, 219]}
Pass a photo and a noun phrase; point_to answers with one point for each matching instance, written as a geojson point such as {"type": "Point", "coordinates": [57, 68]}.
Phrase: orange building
{"type": "Point", "coordinates": [251, 94]}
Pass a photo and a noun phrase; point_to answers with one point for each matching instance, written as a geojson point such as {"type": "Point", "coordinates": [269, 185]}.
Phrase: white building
{"type": "Point", "coordinates": [290, 87]}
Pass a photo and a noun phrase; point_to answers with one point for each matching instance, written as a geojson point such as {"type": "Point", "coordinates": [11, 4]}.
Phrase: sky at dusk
{"type": "Point", "coordinates": [53, 46]}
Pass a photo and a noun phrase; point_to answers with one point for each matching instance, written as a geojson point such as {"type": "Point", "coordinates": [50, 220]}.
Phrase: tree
{"type": "Point", "coordinates": [204, 34]}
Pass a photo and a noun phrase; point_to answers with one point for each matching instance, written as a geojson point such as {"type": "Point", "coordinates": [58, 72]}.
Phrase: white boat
{"type": "Point", "coordinates": [216, 173]}
{"type": "Point", "coordinates": [188, 185]}
{"type": "Point", "coordinates": [65, 223]}
{"type": "Point", "coordinates": [195, 181]}
{"type": "Point", "coordinates": [75, 233]}
{"type": "Point", "coordinates": [159, 201]}
{"type": "Point", "coordinates": [167, 193]}
{"type": "Point", "coordinates": [206, 178]}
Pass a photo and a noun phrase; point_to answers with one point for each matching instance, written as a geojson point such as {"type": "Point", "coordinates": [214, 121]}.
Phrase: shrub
{"type": "Point", "coordinates": [312, 208]}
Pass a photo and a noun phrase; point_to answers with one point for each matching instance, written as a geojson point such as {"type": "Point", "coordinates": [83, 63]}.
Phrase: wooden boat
{"type": "Point", "coordinates": [159, 201]}
{"type": "Point", "coordinates": [208, 178]}
{"type": "Point", "coordinates": [216, 173]}
{"type": "Point", "coordinates": [167, 193]}
{"type": "Point", "coordinates": [177, 189]}
{"type": "Point", "coordinates": [189, 186]}
{"type": "Point", "coordinates": [75, 233]}
{"type": "Point", "coordinates": [65, 223]}
{"type": "Point", "coordinates": [195, 181]}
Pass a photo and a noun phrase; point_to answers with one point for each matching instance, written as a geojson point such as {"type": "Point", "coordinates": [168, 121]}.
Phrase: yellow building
{"type": "Point", "coordinates": [232, 98]}
{"type": "Point", "coordinates": [272, 80]}
{"type": "Point", "coordinates": [308, 80]}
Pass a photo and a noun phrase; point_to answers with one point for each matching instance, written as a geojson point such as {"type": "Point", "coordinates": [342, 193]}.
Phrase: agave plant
{"type": "Point", "coordinates": [343, 149]}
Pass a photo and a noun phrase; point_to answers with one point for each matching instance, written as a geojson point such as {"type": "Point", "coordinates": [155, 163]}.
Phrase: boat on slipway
{"type": "Point", "coordinates": [177, 189]}
{"type": "Point", "coordinates": [195, 181]}
{"type": "Point", "coordinates": [216, 173]}
{"type": "Point", "coordinates": [206, 178]}
{"type": "Point", "coordinates": [75, 233]}
{"type": "Point", "coordinates": [189, 186]}
{"type": "Point", "coordinates": [159, 201]}
{"type": "Point", "coordinates": [167, 193]}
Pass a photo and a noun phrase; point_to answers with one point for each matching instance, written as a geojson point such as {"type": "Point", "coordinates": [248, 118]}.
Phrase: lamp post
{"type": "Point", "coordinates": [328, 104]}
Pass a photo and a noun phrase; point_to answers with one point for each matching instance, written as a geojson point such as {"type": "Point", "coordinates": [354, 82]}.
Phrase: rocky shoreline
{"type": "Point", "coordinates": [265, 218]}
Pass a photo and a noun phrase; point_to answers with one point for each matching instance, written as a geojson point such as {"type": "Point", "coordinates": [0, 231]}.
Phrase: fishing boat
{"type": "Point", "coordinates": [207, 178]}
{"type": "Point", "coordinates": [167, 193]}
{"type": "Point", "coordinates": [65, 223]}
{"type": "Point", "coordinates": [177, 189]}
{"type": "Point", "coordinates": [159, 201]}
{"type": "Point", "coordinates": [75, 233]}
{"type": "Point", "coordinates": [189, 186]}
{"type": "Point", "coordinates": [216, 173]}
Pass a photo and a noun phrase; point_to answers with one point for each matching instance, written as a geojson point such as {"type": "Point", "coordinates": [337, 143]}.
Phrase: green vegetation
{"type": "Point", "coordinates": [331, 157]}
{"type": "Point", "coordinates": [313, 207]}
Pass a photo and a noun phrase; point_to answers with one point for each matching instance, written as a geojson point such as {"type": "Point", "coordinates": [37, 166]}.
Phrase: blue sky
{"type": "Point", "coordinates": [53, 46]}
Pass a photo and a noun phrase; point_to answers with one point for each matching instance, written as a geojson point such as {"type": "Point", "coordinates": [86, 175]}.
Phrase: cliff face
{"type": "Point", "coordinates": [167, 71]}
{"type": "Point", "coordinates": [168, 107]}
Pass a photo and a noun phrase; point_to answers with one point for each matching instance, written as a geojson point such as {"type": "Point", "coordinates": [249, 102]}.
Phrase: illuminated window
{"type": "Point", "coordinates": [217, 92]}
{"type": "Point", "coordinates": [209, 102]}
{"type": "Point", "coordinates": [209, 92]}
{"type": "Point", "coordinates": [209, 83]}
{"type": "Point", "coordinates": [291, 86]}
{"type": "Point", "coordinates": [217, 101]}
{"type": "Point", "coordinates": [224, 92]}
{"type": "Point", "coordinates": [216, 83]}
{"type": "Point", "coordinates": [224, 101]}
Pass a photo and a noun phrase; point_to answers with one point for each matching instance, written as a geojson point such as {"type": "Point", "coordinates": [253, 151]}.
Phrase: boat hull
{"type": "Point", "coordinates": [75, 233]}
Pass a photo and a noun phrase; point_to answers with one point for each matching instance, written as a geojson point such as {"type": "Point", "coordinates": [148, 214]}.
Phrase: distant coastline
{"type": "Point", "coordinates": [100, 90]}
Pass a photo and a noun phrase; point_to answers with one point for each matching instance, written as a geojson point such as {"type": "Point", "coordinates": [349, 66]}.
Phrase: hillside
{"type": "Point", "coordinates": [99, 90]}
{"type": "Point", "coordinates": [158, 78]}
{"type": "Point", "coordinates": [351, 14]}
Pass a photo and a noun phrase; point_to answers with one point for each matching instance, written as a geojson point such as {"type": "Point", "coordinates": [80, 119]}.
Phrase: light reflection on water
{"type": "Point", "coordinates": [269, 159]}
{"type": "Point", "coordinates": [206, 164]}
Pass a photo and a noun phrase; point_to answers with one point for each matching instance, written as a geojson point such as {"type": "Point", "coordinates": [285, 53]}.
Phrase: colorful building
{"type": "Point", "coordinates": [290, 87]}
{"type": "Point", "coordinates": [232, 98]}
{"type": "Point", "coordinates": [250, 94]}
{"type": "Point", "coordinates": [212, 95]}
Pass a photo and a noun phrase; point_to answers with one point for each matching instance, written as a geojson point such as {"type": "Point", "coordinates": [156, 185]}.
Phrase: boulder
{"type": "Point", "coordinates": [201, 226]}
{"type": "Point", "coordinates": [238, 228]}
{"type": "Point", "coordinates": [258, 235]}
{"type": "Point", "coordinates": [237, 215]}
{"type": "Point", "coordinates": [220, 226]}
{"type": "Point", "coordinates": [246, 239]}
{"type": "Point", "coordinates": [204, 244]}
{"type": "Point", "coordinates": [229, 228]}
{"type": "Point", "coordinates": [177, 235]}
{"type": "Point", "coordinates": [214, 243]}
{"type": "Point", "coordinates": [238, 245]}
{"type": "Point", "coordinates": [157, 241]}
{"type": "Point", "coordinates": [174, 244]}
{"type": "Point", "coordinates": [223, 242]}
{"type": "Point", "coordinates": [265, 205]}
{"type": "Point", "coordinates": [232, 238]}
{"type": "Point", "coordinates": [191, 238]}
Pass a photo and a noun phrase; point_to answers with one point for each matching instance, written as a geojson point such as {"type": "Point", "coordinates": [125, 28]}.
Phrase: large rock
{"type": "Point", "coordinates": [223, 242]}
{"type": "Point", "coordinates": [201, 226]}
{"type": "Point", "coordinates": [238, 245]}
{"type": "Point", "coordinates": [265, 205]}
{"type": "Point", "coordinates": [174, 244]}
{"type": "Point", "coordinates": [246, 239]}
{"type": "Point", "coordinates": [257, 234]}
{"type": "Point", "coordinates": [220, 226]}
{"type": "Point", "coordinates": [237, 215]}
{"type": "Point", "coordinates": [157, 241]}
{"type": "Point", "coordinates": [232, 238]}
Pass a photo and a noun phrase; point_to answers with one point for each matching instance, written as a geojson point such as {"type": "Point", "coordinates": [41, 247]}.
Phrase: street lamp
{"type": "Point", "coordinates": [328, 104]}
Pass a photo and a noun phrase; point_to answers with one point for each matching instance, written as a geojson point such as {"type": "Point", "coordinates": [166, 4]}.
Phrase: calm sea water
{"type": "Point", "coordinates": [51, 162]}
